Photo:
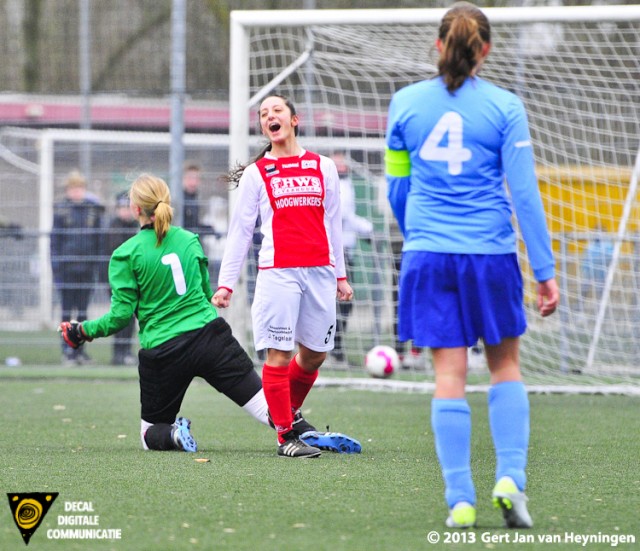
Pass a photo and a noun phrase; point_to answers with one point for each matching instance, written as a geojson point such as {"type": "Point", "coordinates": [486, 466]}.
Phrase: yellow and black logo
{"type": "Point", "coordinates": [29, 510]}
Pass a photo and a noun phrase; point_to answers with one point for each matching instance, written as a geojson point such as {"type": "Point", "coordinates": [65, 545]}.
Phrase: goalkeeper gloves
{"type": "Point", "coordinates": [73, 334]}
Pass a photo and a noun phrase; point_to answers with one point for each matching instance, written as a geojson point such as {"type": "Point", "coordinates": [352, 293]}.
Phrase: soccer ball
{"type": "Point", "coordinates": [381, 361]}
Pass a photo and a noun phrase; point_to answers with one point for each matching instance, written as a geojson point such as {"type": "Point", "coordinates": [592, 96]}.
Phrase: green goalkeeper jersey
{"type": "Point", "coordinates": [167, 287]}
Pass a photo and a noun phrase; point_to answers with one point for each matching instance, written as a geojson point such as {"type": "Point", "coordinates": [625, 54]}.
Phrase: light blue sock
{"type": "Point", "coordinates": [451, 424]}
{"type": "Point", "coordinates": [509, 421]}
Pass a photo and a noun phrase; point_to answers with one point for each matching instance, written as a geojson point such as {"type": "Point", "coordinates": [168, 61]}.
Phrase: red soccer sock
{"type": "Point", "coordinates": [300, 382]}
{"type": "Point", "coordinates": [275, 383]}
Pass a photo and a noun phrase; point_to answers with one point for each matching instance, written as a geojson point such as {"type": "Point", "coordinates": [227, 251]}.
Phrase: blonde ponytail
{"type": "Point", "coordinates": [152, 195]}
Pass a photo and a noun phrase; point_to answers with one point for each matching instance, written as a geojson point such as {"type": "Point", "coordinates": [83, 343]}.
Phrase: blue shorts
{"type": "Point", "coordinates": [451, 300]}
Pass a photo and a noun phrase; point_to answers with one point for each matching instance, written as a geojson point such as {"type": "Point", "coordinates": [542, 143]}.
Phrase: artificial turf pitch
{"type": "Point", "coordinates": [79, 436]}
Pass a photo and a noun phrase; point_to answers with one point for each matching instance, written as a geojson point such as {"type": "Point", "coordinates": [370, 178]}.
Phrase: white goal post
{"type": "Point", "coordinates": [576, 69]}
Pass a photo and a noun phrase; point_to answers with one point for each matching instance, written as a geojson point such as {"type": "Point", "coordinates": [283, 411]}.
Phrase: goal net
{"type": "Point", "coordinates": [33, 168]}
{"type": "Point", "coordinates": [577, 71]}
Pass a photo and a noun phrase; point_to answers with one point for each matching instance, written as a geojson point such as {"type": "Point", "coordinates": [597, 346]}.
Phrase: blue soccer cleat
{"type": "Point", "coordinates": [181, 435]}
{"type": "Point", "coordinates": [331, 441]}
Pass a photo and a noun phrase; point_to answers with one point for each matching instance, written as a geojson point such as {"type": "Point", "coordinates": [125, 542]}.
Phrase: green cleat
{"type": "Point", "coordinates": [513, 502]}
{"type": "Point", "coordinates": [463, 515]}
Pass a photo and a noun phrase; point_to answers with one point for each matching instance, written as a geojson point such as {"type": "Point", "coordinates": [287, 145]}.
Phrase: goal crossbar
{"type": "Point", "coordinates": [534, 14]}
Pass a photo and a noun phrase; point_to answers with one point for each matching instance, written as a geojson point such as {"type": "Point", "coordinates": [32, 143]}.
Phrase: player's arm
{"type": "Point", "coordinates": [124, 298]}
{"type": "Point", "coordinates": [333, 209]}
{"type": "Point", "coordinates": [398, 173]}
{"type": "Point", "coordinates": [397, 161]}
{"type": "Point", "coordinates": [519, 166]}
{"type": "Point", "coordinates": [240, 234]}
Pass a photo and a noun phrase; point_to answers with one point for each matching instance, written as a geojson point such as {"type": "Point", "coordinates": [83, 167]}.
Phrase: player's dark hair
{"type": "Point", "coordinates": [234, 175]}
{"type": "Point", "coordinates": [463, 32]}
{"type": "Point", "coordinates": [152, 195]}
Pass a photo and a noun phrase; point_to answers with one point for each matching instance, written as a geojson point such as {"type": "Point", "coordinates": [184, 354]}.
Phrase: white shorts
{"type": "Point", "coordinates": [295, 305]}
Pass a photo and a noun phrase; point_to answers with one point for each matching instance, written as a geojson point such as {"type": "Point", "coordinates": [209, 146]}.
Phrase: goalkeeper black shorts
{"type": "Point", "coordinates": [212, 352]}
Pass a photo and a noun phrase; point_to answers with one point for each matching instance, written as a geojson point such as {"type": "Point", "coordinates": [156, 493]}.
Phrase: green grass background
{"type": "Point", "coordinates": [76, 432]}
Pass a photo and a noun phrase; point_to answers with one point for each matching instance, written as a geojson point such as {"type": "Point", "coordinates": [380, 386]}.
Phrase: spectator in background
{"type": "Point", "coordinates": [10, 229]}
{"type": "Point", "coordinates": [13, 266]}
{"type": "Point", "coordinates": [122, 225]}
{"type": "Point", "coordinates": [75, 253]}
{"type": "Point", "coordinates": [353, 227]}
{"type": "Point", "coordinates": [595, 264]}
{"type": "Point", "coordinates": [191, 183]}
{"type": "Point", "coordinates": [192, 219]}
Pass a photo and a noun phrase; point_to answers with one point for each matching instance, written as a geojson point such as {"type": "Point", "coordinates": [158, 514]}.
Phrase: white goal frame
{"type": "Point", "coordinates": [239, 91]}
{"type": "Point", "coordinates": [45, 171]}
{"type": "Point", "coordinates": [245, 98]}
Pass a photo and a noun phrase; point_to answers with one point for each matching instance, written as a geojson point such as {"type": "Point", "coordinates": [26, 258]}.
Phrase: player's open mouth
{"type": "Point", "coordinates": [274, 127]}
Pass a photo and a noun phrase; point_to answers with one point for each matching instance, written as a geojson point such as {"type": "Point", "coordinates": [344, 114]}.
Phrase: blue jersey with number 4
{"type": "Point", "coordinates": [450, 195]}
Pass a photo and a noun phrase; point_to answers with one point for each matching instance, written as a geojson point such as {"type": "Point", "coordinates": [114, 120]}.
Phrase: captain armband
{"type": "Point", "coordinates": [397, 163]}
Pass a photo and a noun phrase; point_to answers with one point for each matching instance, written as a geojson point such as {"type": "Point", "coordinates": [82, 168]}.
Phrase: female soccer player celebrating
{"type": "Point", "coordinates": [451, 141]}
{"type": "Point", "coordinates": [296, 193]}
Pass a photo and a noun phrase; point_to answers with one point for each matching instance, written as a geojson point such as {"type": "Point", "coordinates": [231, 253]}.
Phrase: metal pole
{"type": "Point", "coordinates": [178, 85]}
{"type": "Point", "coordinates": [239, 106]}
{"type": "Point", "coordinates": [45, 160]}
{"type": "Point", "coordinates": [309, 80]}
{"type": "Point", "coordinates": [563, 309]}
{"type": "Point", "coordinates": [85, 85]}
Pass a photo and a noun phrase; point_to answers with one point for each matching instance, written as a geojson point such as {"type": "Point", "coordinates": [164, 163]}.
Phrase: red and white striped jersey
{"type": "Point", "coordinates": [298, 201]}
